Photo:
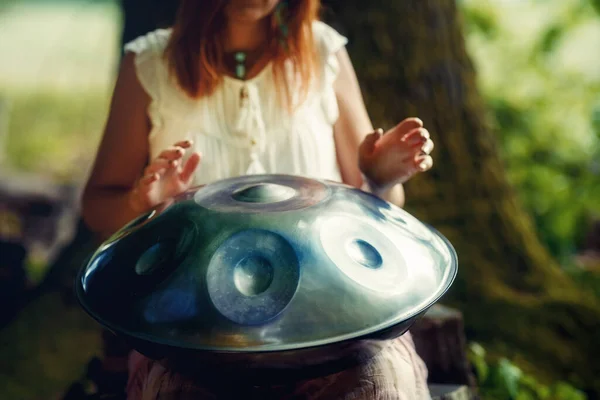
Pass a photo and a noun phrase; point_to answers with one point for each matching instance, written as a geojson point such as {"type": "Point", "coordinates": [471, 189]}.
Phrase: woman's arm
{"type": "Point", "coordinates": [351, 129]}
{"type": "Point", "coordinates": [121, 157]}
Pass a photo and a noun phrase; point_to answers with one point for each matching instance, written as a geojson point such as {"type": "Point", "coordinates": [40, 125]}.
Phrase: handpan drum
{"type": "Point", "coordinates": [267, 273]}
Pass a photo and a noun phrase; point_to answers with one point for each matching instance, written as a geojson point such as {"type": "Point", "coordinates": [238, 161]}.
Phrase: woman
{"type": "Point", "coordinates": [244, 87]}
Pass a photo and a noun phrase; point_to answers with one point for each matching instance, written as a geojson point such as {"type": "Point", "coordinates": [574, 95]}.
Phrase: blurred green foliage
{"type": "Point", "coordinates": [588, 280]}
{"type": "Point", "coordinates": [502, 380]}
{"type": "Point", "coordinates": [59, 132]}
{"type": "Point", "coordinates": [537, 64]}
{"type": "Point", "coordinates": [596, 5]}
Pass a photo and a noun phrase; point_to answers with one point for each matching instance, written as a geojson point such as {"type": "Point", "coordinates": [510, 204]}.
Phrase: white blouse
{"type": "Point", "coordinates": [251, 134]}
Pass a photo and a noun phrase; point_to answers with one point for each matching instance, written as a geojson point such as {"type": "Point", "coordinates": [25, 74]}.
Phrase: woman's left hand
{"type": "Point", "coordinates": [396, 156]}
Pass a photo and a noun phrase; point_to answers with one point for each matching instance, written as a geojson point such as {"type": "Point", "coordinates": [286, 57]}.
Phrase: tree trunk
{"type": "Point", "coordinates": [411, 60]}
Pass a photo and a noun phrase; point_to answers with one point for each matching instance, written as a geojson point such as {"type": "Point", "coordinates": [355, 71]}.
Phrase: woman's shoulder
{"type": "Point", "coordinates": [150, 65]}
{"type": "Point", "coordinates": [328, 40]}
{"type": "Point", "coordinates": [153, 42]}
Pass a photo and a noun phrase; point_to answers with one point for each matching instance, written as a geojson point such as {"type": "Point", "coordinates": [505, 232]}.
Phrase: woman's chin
{"type": "Point", "coordinates": [247, 15]}
{"type": "Point", "coordinates": [245, 11]}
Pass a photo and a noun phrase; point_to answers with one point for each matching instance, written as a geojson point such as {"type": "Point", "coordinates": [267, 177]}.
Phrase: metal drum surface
{"type": "Point", "coordinates": [267, 271]}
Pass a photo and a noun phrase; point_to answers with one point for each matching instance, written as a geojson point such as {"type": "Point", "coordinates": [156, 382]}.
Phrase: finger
{"type": "Point", "coordinates": [148, 179]}
{"type": "Point", "coordinates": [184, 144]}
{"type": "Point", "coordinates": [424, 163]}
{"type": "Point", "coordinates": [158, 166]}
{"type": "Point", "coordinates": [172, 153]}
{"type": "Point", "coordinates": [190, 167]}
{"type": "Point", "coordinates": [416, 137]}
{"type": "Point", "coordinates": [409, 124]}
{"type": "Point", "coordinates": [369, 141]}
{"type": "Point", "coordinates": [427, 147]}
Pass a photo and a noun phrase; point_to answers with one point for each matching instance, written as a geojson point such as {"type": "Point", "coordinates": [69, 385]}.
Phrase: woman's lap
{"type": "Point", "coordinates": [396, 373]}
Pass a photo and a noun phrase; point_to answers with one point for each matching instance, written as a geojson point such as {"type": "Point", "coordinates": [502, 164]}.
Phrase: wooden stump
{"type": "Point", "coordinates": [440, 341]}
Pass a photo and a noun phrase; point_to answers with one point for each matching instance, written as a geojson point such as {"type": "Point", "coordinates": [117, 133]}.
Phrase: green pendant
{"type": "Point", "coordinates": [240, 71]}
{"type": "Point", "coordinates": [240, 68]}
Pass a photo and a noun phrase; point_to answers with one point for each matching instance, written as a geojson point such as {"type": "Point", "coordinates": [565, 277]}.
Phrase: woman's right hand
{"type": "Point", "coordinates": [165, 177]}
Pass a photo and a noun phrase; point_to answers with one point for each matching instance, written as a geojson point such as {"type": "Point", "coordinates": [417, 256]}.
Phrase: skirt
{"type": "Point", "coordinates": [396, 373]}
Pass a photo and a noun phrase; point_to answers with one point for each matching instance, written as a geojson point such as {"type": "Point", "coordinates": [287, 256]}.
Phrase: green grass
{"type": "Point", "coordinates": [55, 134]}
{"type": "Point", "coordinates": [45, 350]}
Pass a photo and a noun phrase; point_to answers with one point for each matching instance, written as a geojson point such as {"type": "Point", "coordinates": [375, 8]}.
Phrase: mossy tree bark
{"type": "Point", "coordinates": [411, 60]}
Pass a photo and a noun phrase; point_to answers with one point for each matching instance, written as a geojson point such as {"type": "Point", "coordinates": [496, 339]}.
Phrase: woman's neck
{"type": "Point", "coordinates": [245, 36]}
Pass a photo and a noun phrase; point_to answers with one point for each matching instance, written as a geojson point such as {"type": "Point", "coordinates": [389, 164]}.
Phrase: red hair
{"type": "Point", "coordinates": [195, 53]}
